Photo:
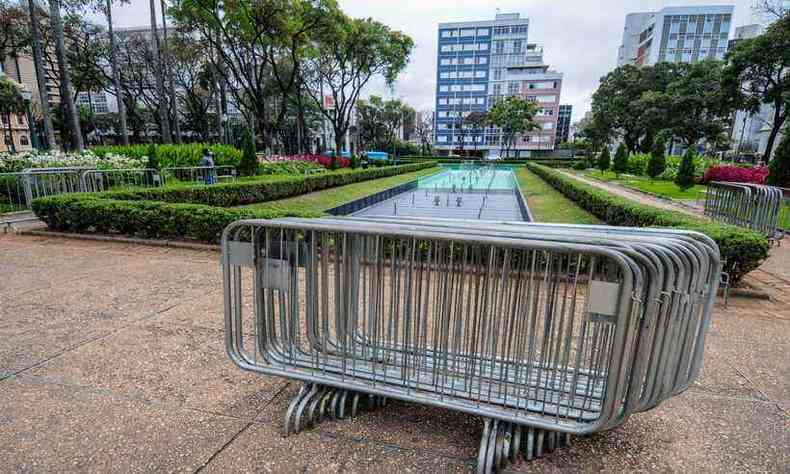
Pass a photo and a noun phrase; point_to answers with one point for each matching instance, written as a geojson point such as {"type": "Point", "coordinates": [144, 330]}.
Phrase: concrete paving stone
{"type": "Point", "coordinates": [262, 448]}
{"type": "Point", "coordinates": [719, 377]}
{"type": "Point", "coordinates": [170, 364]}
{"type": "Point", "coordinates": [764, 365]}
{"type": "Point", "coordinates": [444, 432]}
{"type": "Point", "coordinates": [51, 428]}
{"type": "Point", "coordinates": [748, 320]}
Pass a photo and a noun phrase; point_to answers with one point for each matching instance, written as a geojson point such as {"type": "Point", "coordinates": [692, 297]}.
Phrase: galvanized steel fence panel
{"type": "Point", "coordinates": [754, 206]}
{"type": "Point", "coordinates": [568, 329]}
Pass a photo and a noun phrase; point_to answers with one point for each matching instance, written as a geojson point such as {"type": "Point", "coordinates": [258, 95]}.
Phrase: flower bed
{"type": "Point", "coordinates": [736, 174]}
{"type": "Point", "coordinates": [325, 161]}
{"type": "Point", "coordinates": [13, 163]}
{"type": "Point", "coordinates": [174, 155]}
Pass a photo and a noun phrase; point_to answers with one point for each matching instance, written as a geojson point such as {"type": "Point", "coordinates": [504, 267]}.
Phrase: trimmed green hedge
{"type": "Point", "coordinates": [191, 212]}
{"type": "Point", "coordinates": [743, 250]}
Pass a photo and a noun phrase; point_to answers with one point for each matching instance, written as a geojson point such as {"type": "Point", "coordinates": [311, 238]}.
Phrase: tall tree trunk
{"type": "Point", "coordinates": [41, 77]}
{"type": "Point", "coordinates": [164, 120]}
{"type": "Point", "coordinates": [779, 120]}
{"type": "Point", "coordinates": [168, 75]}
{"type": "Point", "coordinates": [65, 75]}
{"type": "Point", "coordinates": [116, 77]}
{"type": "Point", "coordinates": [11, 144]}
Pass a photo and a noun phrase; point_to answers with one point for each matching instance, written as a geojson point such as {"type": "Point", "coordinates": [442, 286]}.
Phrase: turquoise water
{"type": "Point", "coordinates": [474, 178]}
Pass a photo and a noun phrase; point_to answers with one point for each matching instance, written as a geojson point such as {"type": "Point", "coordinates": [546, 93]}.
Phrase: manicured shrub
{"type": "Point", "coordinates": [658, 160]}
{"type": "Point", "coordinates": [742, 250]}
{"type": "Point", "coordinates": [736, 174]}
{"type": "Point", "coordinates": [192, 212]}
{"type": "Point", "coordinates": [620, 164]}
{"type": "Point", "coordinates": [604, 160]}
{"type": "Point", "coordinates": [780, 164]}
{"type": "Point", "coordinates": [580, 165]}
{"type": "Point", "coordinates": [637, 164]}
{"type": "Point", "coordinates": [685, 177]}
{"type": "Point", "coordinates": [248, 165]}
{"type": "Point", "coordinates": [174, 155]}
{"type": "Point", "coordinates": [153, 159]}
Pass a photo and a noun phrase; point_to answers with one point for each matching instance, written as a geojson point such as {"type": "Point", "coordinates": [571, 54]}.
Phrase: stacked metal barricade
{"type": "Point", "coordinates": [543, 330]}
{"type": "Point", "coordinates": [754, 206]}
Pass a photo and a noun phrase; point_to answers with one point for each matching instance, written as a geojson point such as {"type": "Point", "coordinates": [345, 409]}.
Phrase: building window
{"type": "Point", "coordinates": [442, 100]}
{"type": "Point", "coordinates": [549, 99]}
{"type": "Point", "coordinates": [443, 88]}
{"type": "Point", "coordinates": [449, 33]}
{"type": "Point", "coordinates": [482, 60]}
{"type": "Point", "coordinates": [482, 32]}
{"type": "Point", "coordinates": [497, 74]}
{"type": "Point", "coordinates": [444, 75]}
{"type": "Point", "coordinates": [513, 87]}
{"type": "Point", "coordinates": [467, 33]}
{"type": "Point", "coordinates": [446, 48]}
{"type": "Point", "coordinates": [480, 74]}
{"type": "Point", "coordinates": [23, 140]}
{"type": "Point", "coordinates": [483, 47]}
{"type": "Point", "coordinates": [442, 114]}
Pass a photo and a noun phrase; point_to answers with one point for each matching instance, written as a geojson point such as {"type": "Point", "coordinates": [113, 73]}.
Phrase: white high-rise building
{"type": "Point", "coordinates": [676, 34]}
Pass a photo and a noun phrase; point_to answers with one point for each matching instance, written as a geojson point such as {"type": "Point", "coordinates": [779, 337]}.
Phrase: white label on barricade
{"type": "Point", "coordinates": [603, 297]}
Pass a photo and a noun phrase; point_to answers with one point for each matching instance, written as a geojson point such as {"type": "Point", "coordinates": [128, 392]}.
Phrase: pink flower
{"type": "Point", "coordinates": [736, 174]}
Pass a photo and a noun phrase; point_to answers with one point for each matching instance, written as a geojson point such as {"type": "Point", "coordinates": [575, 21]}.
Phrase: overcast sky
{"type": "Point", "coordinates": [580, 37]}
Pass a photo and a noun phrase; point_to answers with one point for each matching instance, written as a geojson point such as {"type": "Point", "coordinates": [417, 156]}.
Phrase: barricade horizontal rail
{"type": "Point", "coordinates": [753, 206]}
{"type": "Point", "coordinates": [543, 330]}
{"type": "Point", "coordinates": [202, 174]}
{"type": "Point", "coordinates": [103, 180]}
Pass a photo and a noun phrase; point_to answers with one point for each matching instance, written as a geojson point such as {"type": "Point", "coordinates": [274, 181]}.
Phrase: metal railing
{"type": "Point", "coordinates": [103, 180]}
{"type": "Point", "coordinates": [18, 190]}
{"type": "Point", "coordinates": [544, 330]}
{"type": "Point", "coordinates": [753, 206]}
{"type": "Point", "coordinates": [202, 174]}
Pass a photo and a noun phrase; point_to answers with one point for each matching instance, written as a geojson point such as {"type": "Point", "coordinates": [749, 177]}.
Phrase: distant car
{"type": "Point", "coordinates": [344, 154]}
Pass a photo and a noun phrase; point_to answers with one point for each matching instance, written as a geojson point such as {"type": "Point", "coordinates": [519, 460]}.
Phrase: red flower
{"type": "Point", "coordinates": [736, 174]}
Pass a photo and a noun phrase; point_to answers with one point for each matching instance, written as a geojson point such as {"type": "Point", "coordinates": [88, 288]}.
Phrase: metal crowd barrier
{"type": "Point", "coordinates": [753, 206]}
{"type": "Point", "coordinates": [202, 174]}
{"type": "Point", "coordinates": [18, 190]}
{"type": "Point", "coordinates": [103, 180]}
{"type": "Point", "coordinates": [544, 330]}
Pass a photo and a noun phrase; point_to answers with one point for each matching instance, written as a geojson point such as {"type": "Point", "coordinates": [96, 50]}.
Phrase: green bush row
{"type": "Point", "coordinates": [158, 214]}
{"type": "Point", "coordinates": [172, 155]}
{"type": "Point", "coordinates": [741, 249]}
{"type": "Point", "coordinates": [265, 188]}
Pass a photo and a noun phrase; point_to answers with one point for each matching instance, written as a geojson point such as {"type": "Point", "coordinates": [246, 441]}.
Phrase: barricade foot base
{"type": "Point", "coordinates": [315, 402]}
{"type": "Point", "coordinates": [502, 443]}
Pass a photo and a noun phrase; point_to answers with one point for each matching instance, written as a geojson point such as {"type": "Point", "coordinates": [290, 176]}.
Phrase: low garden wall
{"type": "Point", "coordinates": [742, 250]}
{"type": "Point", "coordinates": [196, 212]}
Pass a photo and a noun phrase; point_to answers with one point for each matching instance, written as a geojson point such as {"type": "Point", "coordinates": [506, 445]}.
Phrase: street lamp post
{"type": "Point", "coordinates": [27, 96]}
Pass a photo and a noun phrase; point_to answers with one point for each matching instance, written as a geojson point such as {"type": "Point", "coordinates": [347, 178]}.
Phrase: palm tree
{"type": "Point", "coordinates": [168, 74]}
{"type": "Point", "coordinates": [41, 77]}
{"type": "Point", "coordinates": [160, 82]}
{"type": "Point", "coordinates": [66, 96]}
{"type": "Point", "coordinates": [116, 76]}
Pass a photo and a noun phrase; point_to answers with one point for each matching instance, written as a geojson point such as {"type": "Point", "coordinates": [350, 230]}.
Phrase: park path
{"type": "Point", "coordinates": [640, 197]}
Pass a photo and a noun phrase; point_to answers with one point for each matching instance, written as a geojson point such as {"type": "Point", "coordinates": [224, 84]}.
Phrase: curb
{"type": "Point", "coordinates": [747, 293]}
{"type": "Point", "coordinates": [123, 240]}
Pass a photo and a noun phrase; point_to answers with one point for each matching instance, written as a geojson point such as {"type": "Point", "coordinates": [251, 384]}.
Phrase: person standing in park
{"type": "Point", "coordinates": [207, 162]}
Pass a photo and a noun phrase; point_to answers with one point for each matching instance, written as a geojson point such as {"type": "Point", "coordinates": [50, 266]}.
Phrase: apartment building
{"type": "Point", "coordinates": [479, 62]}
{"type": "Point", "coordinates": [676, 34]}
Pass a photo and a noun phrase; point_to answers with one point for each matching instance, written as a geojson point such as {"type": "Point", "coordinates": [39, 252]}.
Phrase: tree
{"type": "Point", "coordinates": [685, 177]}
{"type": "Point", "coordinates": [423, 127]}
{"type": "Point", "coordinates": [696, 109]}
{"type": "Point", "coordinates": [66, 90]}
{"type": "Point", "coordinates": [378, 121]}
{"type": "Point", "coordinates": [514, 116]}
{"type": "Point", "coordinates": [618, 108]}
{"type": "Point", "coordinates": [756, 74]}
{"type": "Point", "coordinates": [620, 164]}
{"type": "Point", "coordinates": [779, 174]}
{"type": "Point", "coordinates": [348, 53]}
{"type": "Point", "coordinates": [159, 73]}
{"type": "Point", "coordinates": [153, 157]}
{"type": "Point", "coordinates": [248, 166]}
{"type": "Point", "coordinates": [167, 74]}
{"type": "Point", "coordinates": [11, 102]}
{"type": "Point", "coordinates": [657, 162]}
{"type": "Point", "coordinates": [604, 160]}
{"type": "Point", "coordinates": [41, 78]}
{"type": "Point", "coordinates": [116, 76]}
{"type": "Point", "coordinates": [476, 120]}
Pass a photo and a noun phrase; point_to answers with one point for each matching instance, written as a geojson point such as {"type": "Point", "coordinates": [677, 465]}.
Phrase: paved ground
{"type": "Point", "coordinates": [111, 359]}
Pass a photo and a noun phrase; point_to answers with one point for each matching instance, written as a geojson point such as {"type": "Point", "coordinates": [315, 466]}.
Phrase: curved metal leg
{"type": "Point", "coordinates": [314, 403]}
{"type": "Point", "coordinates": [501, 443]}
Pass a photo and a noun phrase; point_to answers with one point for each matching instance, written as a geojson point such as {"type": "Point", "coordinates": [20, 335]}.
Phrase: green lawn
{"type": "Point", "coordinates": [549, 205]}
{"type": "Point", "coordinates": [320, 201]}
{"type": "Point", "coordinates": [666, 189]}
